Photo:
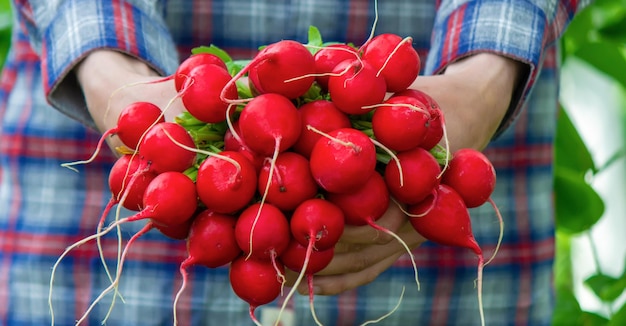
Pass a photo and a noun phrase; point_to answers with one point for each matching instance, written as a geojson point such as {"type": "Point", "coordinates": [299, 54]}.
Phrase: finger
{"type": "Point", "coordinates": [352, 261]}
{"type": "Point", "coordinates": [392, 220]}
{"type": "Point", "coordinates": [335, 284]}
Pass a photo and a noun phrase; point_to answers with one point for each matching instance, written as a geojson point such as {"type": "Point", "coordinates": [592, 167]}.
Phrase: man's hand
{"type": "Point", "coordinates": [112, 80]}
{"type": "Point", "coordinates": [363, 253]}
{"type": "Point", "coordinates": [474, 95]}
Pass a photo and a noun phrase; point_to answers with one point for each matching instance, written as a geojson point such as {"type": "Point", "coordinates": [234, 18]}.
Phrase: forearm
{"type": "Point", "coordinates": [519, 30]}
{"type": "Point", "coordinates": [111, 80]}
{"type": "Point", "coordinates": [474, 94]}
{"type": "Point", "coordinates": [63, 33]}
{"type": "Point", "coordinates": [101, 76]}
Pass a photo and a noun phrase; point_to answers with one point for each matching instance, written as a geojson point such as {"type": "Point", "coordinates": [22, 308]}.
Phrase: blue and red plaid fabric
{"type": "Point", "coordinates": [44, 207]}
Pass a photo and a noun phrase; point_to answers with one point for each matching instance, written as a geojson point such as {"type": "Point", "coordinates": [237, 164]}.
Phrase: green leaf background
{"type": "Point", "coordinates": [596, 38]}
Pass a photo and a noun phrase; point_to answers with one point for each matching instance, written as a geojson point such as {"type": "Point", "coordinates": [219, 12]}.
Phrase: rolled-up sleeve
{"type": "Point", "coordinates": [520, 30]}
{"type": "Point", "coordinates": [64, 32]}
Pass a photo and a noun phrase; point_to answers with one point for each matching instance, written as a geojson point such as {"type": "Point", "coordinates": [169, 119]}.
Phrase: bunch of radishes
{"type": "Point", "coordinates": [276, 155]}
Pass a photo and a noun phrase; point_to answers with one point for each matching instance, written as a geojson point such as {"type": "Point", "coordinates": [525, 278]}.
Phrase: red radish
{"type": "Point", "coordinates": [421, 96]}
{"type": "Point", "coordinates": [327, 58]}
{"type": "Point", "coordinates": [471, 175]}
{"type": "Point", "coordinates": [269, 123]}
{"type": "Point", "coordinates": [444, 219]}
{"type": "Point", "coordinates": [256, 281]}
{"type": "Point", "coordinates": [211, 243]}
{"type": "Point", "coordinates": [226, 185]}
{"type": "Point", "coordinates": [435, 124]}
{"type": "Point", "coordinates": [365, 205]}
{"type": "Point", "coordinates": [316, 226]}
{"type": "Point", "coordinates": [285, 67]}
{"type": "Point", "coordinates": [129, 174]}
{"type": "Point", "coordinates": [235, 144]}
{"type": "Point", "coordinates": [135, 120]}
{"type": "Point", "coordinates": [201, 96]}
{"type": "Point", "coordinates": [354, 86]}
{"type": "Point", "coordinates": [128, 179]}
{"type": "Point", "coordinates": [161, 148]}
{"type": "Point", "coordinates": [435, 132]}
{"type": "Point", "coordinates": [395, 59]}
{"type": "Point", "coordinates": [291, 183]}
{"type": "Point", "coordinates": [170, 199]}
{"type": "Point", "coordinates": [183, 72]}
{"type": "Point", "coordinates": [132, 123]}
{"type": "Point", "coordinates": [176, 232]}
{"type": "Point", "coordinates": [262, 231]}
{"type": "Point", "coordinates": [305, 261]}
{"type": "Point", "coordinates": [295, 255]}
{"type": "Point", "coordinates": [343, 160]}
{"type": "Point", "coordinates": [322, 115]}
{"type": "Point", "coordinates": [400, 123]}
{"type": "Point", "coordinates": [317, 219]}
{"type": "Point", "coordinates": [419, 177]}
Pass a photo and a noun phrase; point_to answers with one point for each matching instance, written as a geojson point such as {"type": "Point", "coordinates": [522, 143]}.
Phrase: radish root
{"type": "Point", "coordinates": [387, 314]}
{"type": "Point", "coordinates": [403, 243]}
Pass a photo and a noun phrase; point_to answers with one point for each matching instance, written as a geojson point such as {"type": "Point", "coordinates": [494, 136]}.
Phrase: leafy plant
{"type": "Point", "coordinates": [598, 37]}
{"type": "Point", "coordinates": [5, 29]}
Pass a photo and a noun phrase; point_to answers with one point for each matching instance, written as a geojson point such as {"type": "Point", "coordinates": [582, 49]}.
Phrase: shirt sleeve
{"type": "Point", "coordinates": [520, 30]}
{"type": "Point", "coordinates": [63, 32]}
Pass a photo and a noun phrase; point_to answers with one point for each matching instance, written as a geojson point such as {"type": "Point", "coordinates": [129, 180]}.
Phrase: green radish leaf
{"type": "Point", "coordinates": [570, 150]}
{"type": "Point", "coordinates": [235, 66]}
{"type": "Point", "coordinates": [605, 287]}
{"type": "Point", "coordinates": [212, 49]}
{"type": "Point", "coordinates": [578, 205]}
{"type": "Point", "coordinates": [315, 39]}
{"type": "Point", "coordinates": [243, 89]}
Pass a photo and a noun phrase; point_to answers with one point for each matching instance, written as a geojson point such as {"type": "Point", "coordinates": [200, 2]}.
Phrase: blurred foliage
{"type": "Point", "coordinates": [5, 29]}
{"type": "Point", "coordinates": [598, 37]}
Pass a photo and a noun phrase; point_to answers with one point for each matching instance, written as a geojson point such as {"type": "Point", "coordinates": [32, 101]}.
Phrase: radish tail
{"type": "Point", "coordinates": [309, 251]}
{"type": "Point", "coordinates": [500, 220]}
{"type": "Point", "coordinates": [106, 211]}
{"type": "Point", "coordinates": [279, 273]}
{"type": "Point", "coordinates": [66, 251]}
{"type": "Point", "coordinates": [387, 314]}
{"type": "Point", "coordinates": [185, 275]}
{"type": "Point", "coordinates": [309, 279]}
{"type": "Point", "coordinates": [265, 191]}
{"type": "Point", "coordinates": [106, 134]}
{"type": "Point", "coordinates": [479, 288]}
{"type": "Point", "coordinates": [253, 317]}
{"type": "Point", "coordinates": [118, 274]}
{"type": "Point", "coordinates": [406, 247]}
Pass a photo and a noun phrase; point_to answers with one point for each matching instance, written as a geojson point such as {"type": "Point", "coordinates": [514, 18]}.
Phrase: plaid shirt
{"type": "Point", "coordinates": [44, 207]}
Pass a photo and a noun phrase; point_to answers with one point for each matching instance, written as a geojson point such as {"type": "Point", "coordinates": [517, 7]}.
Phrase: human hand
{"type": "Point", "coordinates": [111, 80]}
{"type": "Point", "coordinates": [474, 94]}
{"type": "Point", "coordinates": [363, 253]}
